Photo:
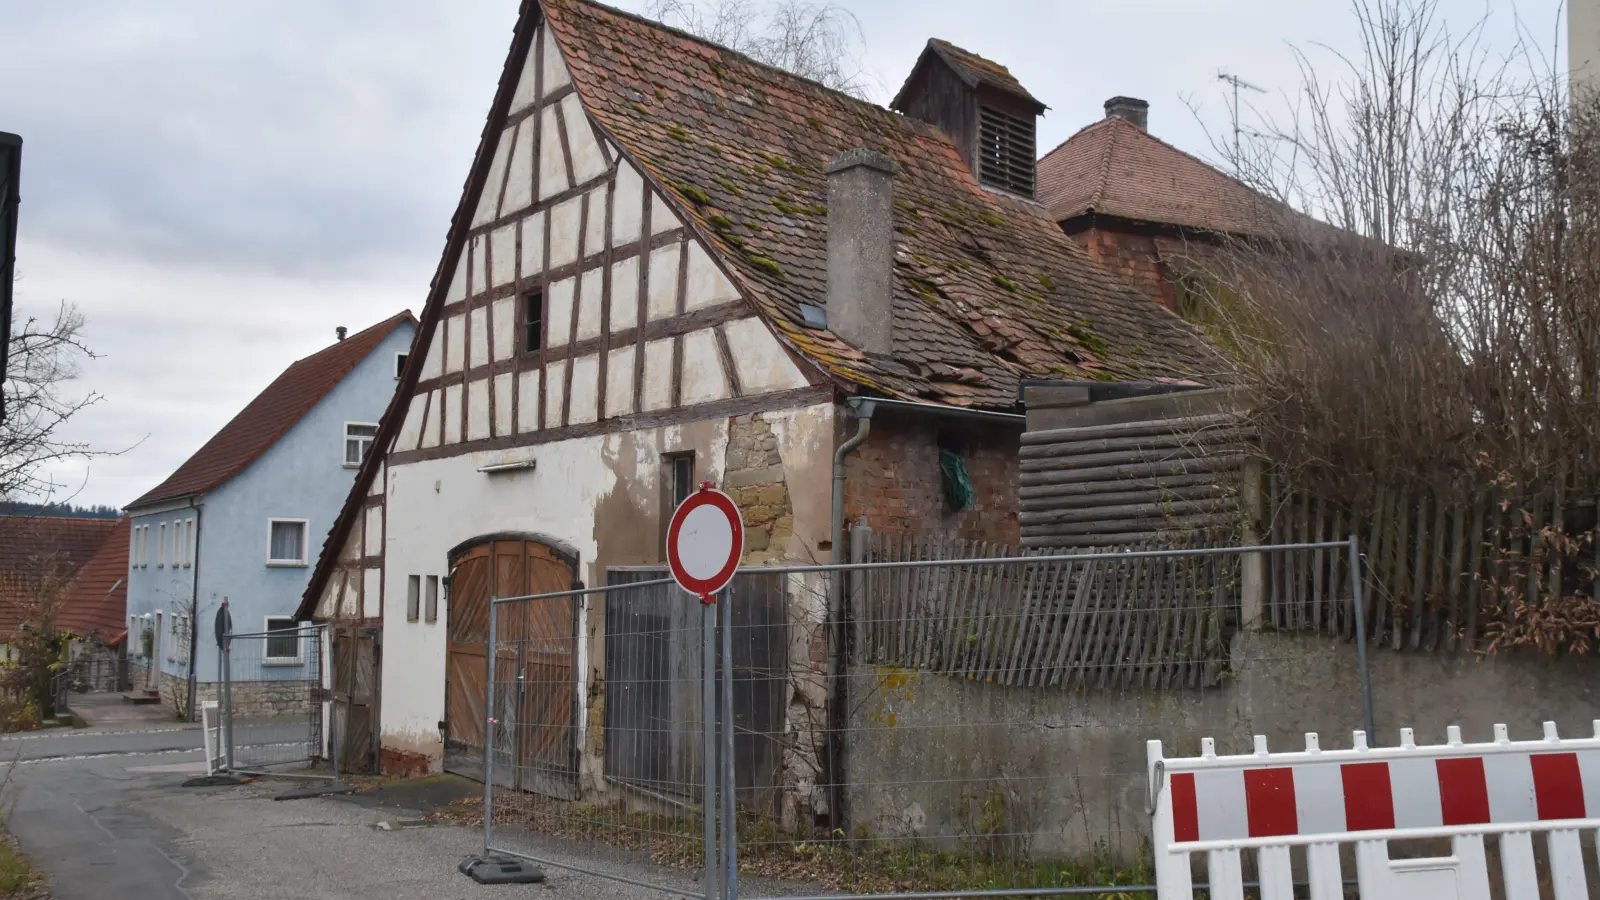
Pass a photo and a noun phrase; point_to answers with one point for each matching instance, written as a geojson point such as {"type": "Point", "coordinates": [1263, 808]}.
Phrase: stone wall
{"type": "Point", "coordinates": [1061, 772]}
{"type": "Point", "coordinates": [755, 478]}
{"type": "Point", "coordinates": [251, 699]}
{"type": "Point", "coordinates": [894, 482]}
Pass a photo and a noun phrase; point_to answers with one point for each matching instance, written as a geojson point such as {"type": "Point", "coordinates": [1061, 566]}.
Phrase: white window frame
{"type": "Point", "coordinates": [299, 652]}
{"type": "Point", "coordinates": [188, 543]}
{"type": "Point", "coordinates": [305, 540]}
{"type": "Point", "coordinates": [172, 633]}
{"type": "Point", "coordinates": [133, 548]}
{"type": "Point", "coordinates": [161, 547]}
{"type": "Point", "coordinates": [177, 543]}
{"type": "Point", "coordinates": [401, 357]}
{"type": "Point", "coordinates": [368, 441]}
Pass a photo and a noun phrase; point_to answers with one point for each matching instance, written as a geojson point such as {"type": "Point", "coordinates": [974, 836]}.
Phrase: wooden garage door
{"type": "Point", "coordinates": [535, 691]}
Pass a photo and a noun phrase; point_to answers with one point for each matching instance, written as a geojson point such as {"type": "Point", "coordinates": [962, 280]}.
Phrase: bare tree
{"type": "Point", "coordinates": [1443, 341]}
{"type": "Point", "coordinates": [45, 357]}
{"type": "Point", "coordinates": [814, 40]}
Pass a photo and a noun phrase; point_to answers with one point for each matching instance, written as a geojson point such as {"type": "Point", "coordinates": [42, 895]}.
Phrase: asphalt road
{"type": "Point", "coordinates": [104, 814]}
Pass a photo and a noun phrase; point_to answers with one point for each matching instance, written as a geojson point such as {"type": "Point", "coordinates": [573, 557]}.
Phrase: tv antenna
{"type": "Point", "coordinates": [1237, 83]}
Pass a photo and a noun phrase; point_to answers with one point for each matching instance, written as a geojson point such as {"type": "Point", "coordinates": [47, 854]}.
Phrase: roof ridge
{"type": "Point", "coordinates": [1105, 169]}
{"type": "Point", "coordinates": [386, 323]}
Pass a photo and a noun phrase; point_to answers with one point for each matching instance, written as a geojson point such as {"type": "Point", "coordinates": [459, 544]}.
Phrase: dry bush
{"type": "Point", "coordinates": [1444, 338]}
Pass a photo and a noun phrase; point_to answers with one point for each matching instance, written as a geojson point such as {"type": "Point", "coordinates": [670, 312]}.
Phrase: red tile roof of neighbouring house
{"type": "Point", "coordinates": [96, 602]}
{"type": "Point", "coordinates": [1115, 168]}
{"type": "Point", "coordinates": [270, 415]}
{"type": "Point", "coordinates": [35, 550]}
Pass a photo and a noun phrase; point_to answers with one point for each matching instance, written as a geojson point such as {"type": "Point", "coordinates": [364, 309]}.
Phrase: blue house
{"type": "Point", "coordinates": [240, 520]}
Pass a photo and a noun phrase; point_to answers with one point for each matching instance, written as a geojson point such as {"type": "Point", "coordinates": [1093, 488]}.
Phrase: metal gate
{"type": "Point", "coordinates": [538, 649]}
{"type": "Point", "coordinates": [272, 699]}
{"type": "Point", "coordinates": [356, 659]}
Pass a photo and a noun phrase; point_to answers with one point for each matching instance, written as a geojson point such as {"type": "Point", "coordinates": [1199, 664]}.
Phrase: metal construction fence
{"type": "Point", "coordinates": [905, 725]}
{"type": "Point", "coordinates": [271, 700]}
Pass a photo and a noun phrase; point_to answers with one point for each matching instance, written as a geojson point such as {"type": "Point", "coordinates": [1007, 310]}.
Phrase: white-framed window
{"type": "Point", "coordinates": [400, 360]}
{"type": "Point", "coordinates": [286, 542]}
{"type": "Point", "coordinates": [161, 547]}
{"type": "Point", "coordinates": [133, 548]}
{"type": "Point", "coordinates": [357, 441]}
{"type": "Point", "coordinates": [172, 637]}
{"type": "Point", "coordinates": [431, 598]}
{"type": "Point", "coordinates": [184, 638]}
{"type": "Point", "coordinates": [188, 543]}
{"type": "Point", "coordinates": [283, 641]}
{"type": "Point", "coordinates": [177, 543]}
{"type": "Point", "coordinates": [413, 597]}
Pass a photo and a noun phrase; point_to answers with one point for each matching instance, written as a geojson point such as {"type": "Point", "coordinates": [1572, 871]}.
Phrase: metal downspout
{"type": "Point", "coordinates": [836, 634]}
{"type": "Point", "coordinates": [194, 613]}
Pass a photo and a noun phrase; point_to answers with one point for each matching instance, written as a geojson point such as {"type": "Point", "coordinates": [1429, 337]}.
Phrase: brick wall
{"type": "Point", "coordinates": [1134, 257]}
{"type": "Point", "coordinates": [894, 479]}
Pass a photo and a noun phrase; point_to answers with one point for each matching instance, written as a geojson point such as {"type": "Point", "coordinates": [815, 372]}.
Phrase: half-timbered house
{"type": "Point", "coordinates": [671, 264]}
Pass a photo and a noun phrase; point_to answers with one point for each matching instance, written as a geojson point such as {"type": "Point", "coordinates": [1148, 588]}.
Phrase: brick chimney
{"type": "Point", "coordinates": [1131, 108]}
{"type": "Point", "coordinates": [861, 249]}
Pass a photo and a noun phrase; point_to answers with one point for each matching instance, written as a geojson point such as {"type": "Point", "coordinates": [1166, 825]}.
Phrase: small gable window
{"type": "Point", "coordinates": [400, 360]}
{"type": "Point", "coordinates": [1006, 151]}
{"type": "Point", "coordinates": [532, 322]}
{"type": "Point", "coordinates": [357, 441]}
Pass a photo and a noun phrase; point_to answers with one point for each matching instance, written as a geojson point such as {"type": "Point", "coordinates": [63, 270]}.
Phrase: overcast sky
{"type": "Point", "coordinates": [218, 185]}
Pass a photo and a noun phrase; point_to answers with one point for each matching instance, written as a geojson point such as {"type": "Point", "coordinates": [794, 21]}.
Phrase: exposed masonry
{"type": "Point", "coordinates": [754, 477]}
{"type": "Point", "coordinates": [251, 699]}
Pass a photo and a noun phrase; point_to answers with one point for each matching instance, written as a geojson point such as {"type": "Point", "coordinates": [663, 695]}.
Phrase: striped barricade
{"type": "Point", "coordinates": [1267, 803]}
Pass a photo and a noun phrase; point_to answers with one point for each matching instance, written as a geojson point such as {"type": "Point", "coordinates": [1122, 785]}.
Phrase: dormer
{"type": "Point", "coordinates": [991, 118]}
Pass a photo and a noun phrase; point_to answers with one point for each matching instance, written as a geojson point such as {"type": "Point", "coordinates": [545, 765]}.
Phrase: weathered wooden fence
{"type": "Point", "coordinates": [1057, 620]}
{"type": "Point", "coordinates": [1441, 574]}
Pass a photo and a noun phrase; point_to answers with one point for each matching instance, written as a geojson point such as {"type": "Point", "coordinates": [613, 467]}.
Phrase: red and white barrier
{"type": "Point", "coordinates": [1268, 802]}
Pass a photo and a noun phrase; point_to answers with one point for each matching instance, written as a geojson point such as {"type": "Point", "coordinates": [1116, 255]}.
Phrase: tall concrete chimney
{"type": "Point", "coordinates": [861, 249]}
{"type": "Point", "coordinates": [1131, 108]}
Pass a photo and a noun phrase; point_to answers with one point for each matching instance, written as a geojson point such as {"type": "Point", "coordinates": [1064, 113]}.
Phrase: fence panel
{"type": "Point", "coordinates": [650, 731]}
{"type": "Point", "coordinates": [982, 732]}
{"type": "Point", "coordinates": [272, 699]}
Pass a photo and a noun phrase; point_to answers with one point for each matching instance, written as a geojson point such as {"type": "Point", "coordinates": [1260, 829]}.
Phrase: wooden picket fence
{"type": "Point", "coordinates": [1046, 620]}
{"type": "Point", "coordinates": [1439, 573]}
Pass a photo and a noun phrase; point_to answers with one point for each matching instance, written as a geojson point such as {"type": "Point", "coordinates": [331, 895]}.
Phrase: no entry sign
{"type": "Point", "coordinates": [705, 542]}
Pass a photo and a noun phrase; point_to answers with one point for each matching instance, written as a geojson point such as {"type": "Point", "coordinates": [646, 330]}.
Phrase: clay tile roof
{"type": "Point", "coordinates": [270, 415]}
{"type": "Point", "coordinates": [972, 69]}
{"type": "Point", "coordinates": [34, 549]}
{"type": "Point", "coordinates": [1116, 168]}
{"type": "Point", "coordinates": [988, 291]}
{"type": "Point", "coordinates": [97, 600]}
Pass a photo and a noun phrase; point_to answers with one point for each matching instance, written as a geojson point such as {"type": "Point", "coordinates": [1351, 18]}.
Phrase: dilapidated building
{"type": "Point", "coordinates": [671, 264]}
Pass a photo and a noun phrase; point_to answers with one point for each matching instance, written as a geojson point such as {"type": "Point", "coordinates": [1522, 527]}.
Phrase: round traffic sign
{"type": "Point", "coordinates": [705, 542]}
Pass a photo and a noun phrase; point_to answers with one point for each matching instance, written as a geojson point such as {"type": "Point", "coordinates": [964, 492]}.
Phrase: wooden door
{"type": "Point", "coordinates": [535, 690]}
{"type": "Point", "coordinates": [355, 698]}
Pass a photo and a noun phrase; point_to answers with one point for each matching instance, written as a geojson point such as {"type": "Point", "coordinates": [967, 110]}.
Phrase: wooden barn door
{"type": "Point", "coordinates": [537, 745]}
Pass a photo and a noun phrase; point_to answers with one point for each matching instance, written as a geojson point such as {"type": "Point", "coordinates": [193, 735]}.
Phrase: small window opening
{"type": "Point", "coordinates": [533, 322]}
{"type": "Point", "coordinates": [400, 360]}
{"type": "Point", "coordinates": [432, 608]}
{"type": "Point", "coordinates": [678, 477]}
{"type": "Point", "coordinates": [357, 441]}
{"type": "Point", "coordinates": [1006, 151]}
{"type": "Point", "coordinates": [958, 492]}
{"type": "Point", "coordinates": [413, 597]}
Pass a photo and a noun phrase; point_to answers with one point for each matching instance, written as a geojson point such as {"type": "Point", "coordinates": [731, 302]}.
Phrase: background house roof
{"type": "Point", "coordinates": [97, 601]}
{"type": "Point", "coordinates": [972, 69]}
{"type": "Point", "coordinates": [36, 548]}
{"type": "Point", "coordinates": [1116, 168]}
{"type": "Point", "coordinates": [270, 415]}
{"type": "Point", "coordinates": [987, 290]}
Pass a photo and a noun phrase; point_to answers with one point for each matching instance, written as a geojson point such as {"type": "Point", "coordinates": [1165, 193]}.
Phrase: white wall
{"type": "Point", "coordinates": [599, 496]}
